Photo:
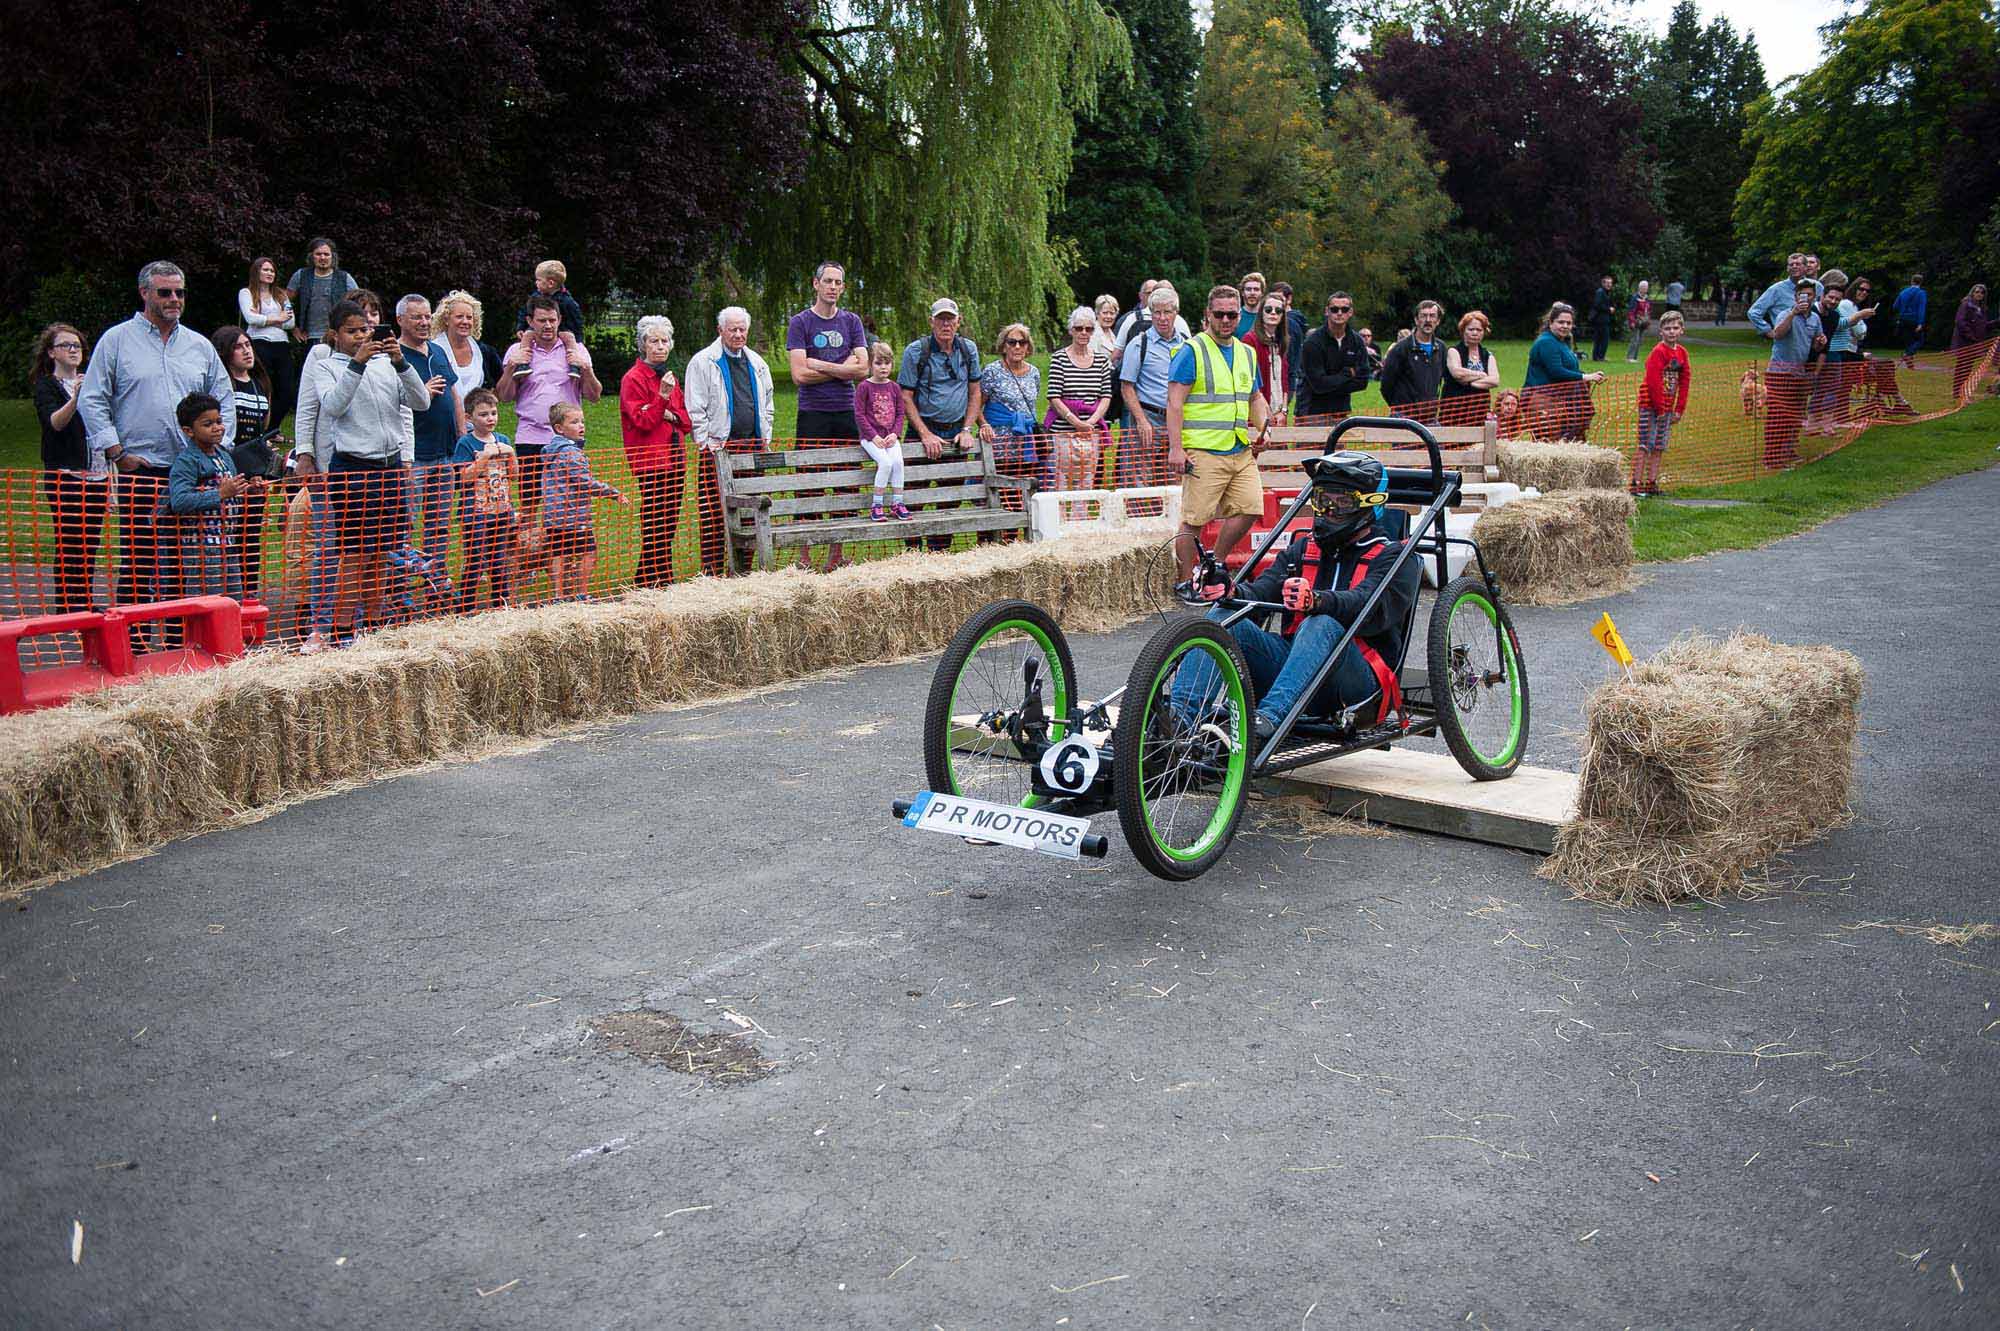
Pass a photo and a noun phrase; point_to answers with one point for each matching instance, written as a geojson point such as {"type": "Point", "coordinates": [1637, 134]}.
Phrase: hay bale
{"type": "Point", "coordinates": [1565, 466]}
{"type": "Point", "coordinates": [1713, 758]}
{"type": "Point", "coordinates": [124, 770]}
{"type": "Point", "coordinates": [1559, 548]}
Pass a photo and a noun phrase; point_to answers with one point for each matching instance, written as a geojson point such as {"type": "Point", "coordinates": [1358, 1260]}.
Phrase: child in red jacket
{"type": "Point", "coordinates": [1663, 399]}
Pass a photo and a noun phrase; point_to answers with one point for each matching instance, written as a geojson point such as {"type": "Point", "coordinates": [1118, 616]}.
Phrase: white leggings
{"type": "Point", "coordinates": [888, 464]}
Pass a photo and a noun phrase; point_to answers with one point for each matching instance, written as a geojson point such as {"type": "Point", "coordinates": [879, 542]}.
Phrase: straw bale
{"type": "Point", "coordinates": [1560, 548]}
{"type": "Point", "coordinates": [1561, 466]}
{"type": "Point", "coordinates": [123, 770]}
{"type": "Point", "coordinates": [1713, 758]}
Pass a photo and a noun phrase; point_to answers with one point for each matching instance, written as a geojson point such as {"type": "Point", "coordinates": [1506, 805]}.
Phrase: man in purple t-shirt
{"type": "Point", "coordinates": [828, 350]}
{"type": "Point", "coordinates": [535, 375]}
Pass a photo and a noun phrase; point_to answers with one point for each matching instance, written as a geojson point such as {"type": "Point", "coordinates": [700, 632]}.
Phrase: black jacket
{"type": "Point", "coordinates": [1386, 624]}
{"type": "Point", "coordinates": [1409, 376]}
{"type": "Point", "coordinates": [1602, 306]}
{"type": "Point", "coordinates": [1331, 372]}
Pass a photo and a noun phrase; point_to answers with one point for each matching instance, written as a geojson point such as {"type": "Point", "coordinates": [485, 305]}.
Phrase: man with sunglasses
{"type": "Point", "coordinates": [142, 369]}
{"type": "Point", "coordinates": [1334, 364]}
{"type": "Point", "coordinates": [1214, 404]}
{"type": "Point", "coordinates": [1323, 579]}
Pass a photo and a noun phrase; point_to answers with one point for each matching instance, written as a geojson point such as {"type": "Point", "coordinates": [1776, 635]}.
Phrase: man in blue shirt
{"type": "Point", "coordinates": [1912, 310]}
{"type": "Point", "coordinates": [1778, 297]}
{"type": "Point", "coordinates": [434, 480]}
{"type": "Point", "coordinates": [142, 369]}
{"type": "Point", "coordinates": [1142, 379]}
{"type": "Point", "coordinates": [939, 377]}
{"type": "Point", "coordinates": [1795, 334]}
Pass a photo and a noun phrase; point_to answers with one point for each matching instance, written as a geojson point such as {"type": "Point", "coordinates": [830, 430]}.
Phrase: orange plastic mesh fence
{"type": "Point", "coordinates": [1743, 420]}
{"type": "Point", "coordinates": [361, 547]}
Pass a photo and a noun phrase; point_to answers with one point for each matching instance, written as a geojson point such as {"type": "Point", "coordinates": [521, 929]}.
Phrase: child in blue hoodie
{"type": "Point", "coordinates": [202, 489]}
{"type": "Point", "coordinates": [567, 489]}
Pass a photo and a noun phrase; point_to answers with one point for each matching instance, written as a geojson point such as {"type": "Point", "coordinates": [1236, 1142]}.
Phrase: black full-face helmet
{"type": "Point", "coordinates": [1347, 494]}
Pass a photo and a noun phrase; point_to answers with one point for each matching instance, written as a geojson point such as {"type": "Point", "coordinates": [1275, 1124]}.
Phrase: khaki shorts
{"type": "Point", "coordinates": [1223, 485]}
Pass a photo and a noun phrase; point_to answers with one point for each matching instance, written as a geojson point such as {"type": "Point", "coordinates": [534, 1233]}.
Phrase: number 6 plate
{"type": "Point", "coordinates": [1070, 766]}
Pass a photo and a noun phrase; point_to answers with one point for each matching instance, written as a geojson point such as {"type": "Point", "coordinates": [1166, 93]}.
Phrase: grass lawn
{"type": "Point", "coordinates": [1884, 462]}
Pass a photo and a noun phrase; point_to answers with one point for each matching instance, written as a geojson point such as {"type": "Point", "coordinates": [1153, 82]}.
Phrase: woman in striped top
{"type": "Point", "coordinates": [1079, 397]}
{"type": "Point", "coordinates": [250, 388]}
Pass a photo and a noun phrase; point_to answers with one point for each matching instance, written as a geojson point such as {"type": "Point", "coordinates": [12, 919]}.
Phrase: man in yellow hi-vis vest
{"type": "Point", "coordinates": [1214, 405]}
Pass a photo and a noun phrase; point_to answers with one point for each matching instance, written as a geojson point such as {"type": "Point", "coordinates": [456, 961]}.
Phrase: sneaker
{"type": "Point", "coordinates": [1262, 728]}
{"type": "Point", "coordinates": [876, 513]}
{"type": "Point", "coordinates": [314, 644]}
{"type": "Point", "coordinates": [902, 511]}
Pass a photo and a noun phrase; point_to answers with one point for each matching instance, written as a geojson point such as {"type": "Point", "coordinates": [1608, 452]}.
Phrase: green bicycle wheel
{"type": "Point", "coordinates": [983, 702]}
{"type": "Point", "coordinates": [1477, 680]}
{"type": "Point", "coordinates": [1182, 749]}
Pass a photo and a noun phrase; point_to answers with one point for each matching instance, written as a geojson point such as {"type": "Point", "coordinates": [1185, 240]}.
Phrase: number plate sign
{"type": "Point", "coordinates": [976, 820]}
{"type": "Point", "coordinates": [1070, 766]}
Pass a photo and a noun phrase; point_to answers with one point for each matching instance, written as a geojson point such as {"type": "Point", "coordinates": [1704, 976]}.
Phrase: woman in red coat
{"type": "Point", "coordinates": [656, 424]}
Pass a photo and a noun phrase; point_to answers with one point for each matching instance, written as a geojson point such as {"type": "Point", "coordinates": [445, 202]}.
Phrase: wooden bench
{"type": "Point", "coordinates": [1471, 450]}
{"type": "Point", "coordinates": [801, 497]}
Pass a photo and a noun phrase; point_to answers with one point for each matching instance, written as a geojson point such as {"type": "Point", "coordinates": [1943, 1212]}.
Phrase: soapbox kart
{"type": "Point", "coordinates": [1006, 724]}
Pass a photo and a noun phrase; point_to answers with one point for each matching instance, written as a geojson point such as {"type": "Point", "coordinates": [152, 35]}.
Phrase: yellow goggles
{"type": "Point", "coordinates": [1339, 503]}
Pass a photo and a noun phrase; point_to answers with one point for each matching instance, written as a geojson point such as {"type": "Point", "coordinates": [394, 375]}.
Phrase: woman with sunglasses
{"type": "Point", "coordinates": [1079, 398]}
{"type": "Point", "coordinates": [1009, 388]}
{"type": "Point", "coordinates": [1271, 339]}
{"type": "Point", "coordinates": [77, 498]}
{"type": "Point", "coordinates": [1556, 394]}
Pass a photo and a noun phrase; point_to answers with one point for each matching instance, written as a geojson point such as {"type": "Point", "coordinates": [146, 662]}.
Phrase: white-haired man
{"type": "Point", "coordinates": [141, 370]}
{"type": "Point", "coordinates": [728, 385]}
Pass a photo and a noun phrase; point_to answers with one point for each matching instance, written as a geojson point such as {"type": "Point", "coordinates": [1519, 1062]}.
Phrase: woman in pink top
{"type": "Point", "coordinates": [878, 419]}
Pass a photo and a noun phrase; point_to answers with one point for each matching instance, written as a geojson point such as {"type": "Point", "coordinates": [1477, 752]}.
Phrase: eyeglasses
{"type": "Point", "coordinates": [1340, 309]}
{"type": "Point", "coordinates": [1274, 309]}
{"type": "Point", "coordinates": [66, 346]}
{"type": "Point", "coordinates": [1225, 314]}
{"type": "Point", "coordinates": [1082, 328]}
{"type": "Point", "coordinates": [165, 293]}
{"type": "Point", "coordinates": [1014, 342]}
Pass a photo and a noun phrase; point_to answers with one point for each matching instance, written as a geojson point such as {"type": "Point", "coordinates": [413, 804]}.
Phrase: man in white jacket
{"type": "Point", "coordinates": [728, 386]}
{"type": "Point", "coordinates": [362, 392]}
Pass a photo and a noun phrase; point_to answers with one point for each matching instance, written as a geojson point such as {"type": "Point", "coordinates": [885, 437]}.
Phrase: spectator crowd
{"type": "Point", "coordinates": [394, 411]}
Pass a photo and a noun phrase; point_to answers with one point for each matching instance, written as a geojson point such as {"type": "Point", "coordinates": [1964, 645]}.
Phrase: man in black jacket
{"type": "Point", "coordinates": [1324, 578]}
{"type": "Point", "coordinates": [1334, 365]}
{"type": "Point", "coordinates": [1413, 371]}
{"type": "Point", "coordinates": [1603, 306]}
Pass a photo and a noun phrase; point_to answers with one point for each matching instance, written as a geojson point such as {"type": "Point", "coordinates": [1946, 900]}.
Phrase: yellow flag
{"type": "Point", "coordinates": [1607, 637]}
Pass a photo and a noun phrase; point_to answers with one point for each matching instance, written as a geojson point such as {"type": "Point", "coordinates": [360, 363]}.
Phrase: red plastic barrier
{"type": "Point", "coordinates": [212, 631]}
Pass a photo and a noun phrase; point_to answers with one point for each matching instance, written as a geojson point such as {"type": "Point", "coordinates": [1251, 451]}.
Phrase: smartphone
{"type": "Point", "coordinates": [383, 333]}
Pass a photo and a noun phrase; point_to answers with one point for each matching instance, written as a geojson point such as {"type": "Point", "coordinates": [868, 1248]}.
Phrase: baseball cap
{"type": "Point", "coordinates": [943, 305]}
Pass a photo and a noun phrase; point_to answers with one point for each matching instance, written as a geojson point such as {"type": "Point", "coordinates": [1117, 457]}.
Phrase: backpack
{"type": "Point", "coordinates": [1118, 411]}
{"type": "Point", "coordinates": [931, 347]}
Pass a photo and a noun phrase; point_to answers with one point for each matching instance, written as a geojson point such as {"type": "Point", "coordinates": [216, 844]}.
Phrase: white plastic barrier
{"type": "Point", "coordinates": [1109, 510]}
{"type": "Point", "coordinates": [1460, 524]}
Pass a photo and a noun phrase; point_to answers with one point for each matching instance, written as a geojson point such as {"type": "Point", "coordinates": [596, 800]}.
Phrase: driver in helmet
{"type": "Point", "coordinates": [1324, 578]}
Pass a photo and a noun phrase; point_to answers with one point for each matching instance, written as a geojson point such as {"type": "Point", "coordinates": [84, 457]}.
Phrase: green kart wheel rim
{"type": "Point", "coordinates": [1486, 648]}
{"type": "Point", "coordinates": [1170, 777]}
{"type": "Point", "coordinates": [989, 680]}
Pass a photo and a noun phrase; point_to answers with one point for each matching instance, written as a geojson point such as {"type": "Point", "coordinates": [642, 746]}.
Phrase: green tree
{"type": "Point", "coordinates": [941, 135]}
{"type": "Point", "coordinates": [1327, 23]}
{"type": "Point", "coordinates": [1699, 83]}
{"type": "Point", "coordinates": [1848, 159]}
{"type": "Point", "coordinates": [1130, 208]}
{"type": "Point", "coordinates": [1345, 197]}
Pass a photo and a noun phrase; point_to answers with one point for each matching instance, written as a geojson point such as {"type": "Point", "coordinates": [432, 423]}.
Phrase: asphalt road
{"type": "Point", "coordinates": [1380, 1081]}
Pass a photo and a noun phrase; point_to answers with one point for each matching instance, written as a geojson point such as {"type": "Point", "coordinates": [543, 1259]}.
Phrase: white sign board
{"type": "Point", "coordinates": [1070, 766]}
{"type": "Point", "coordinates": [1010, 825]}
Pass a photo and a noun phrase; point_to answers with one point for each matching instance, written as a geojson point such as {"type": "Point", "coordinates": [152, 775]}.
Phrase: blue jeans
{"type": "Point", "coordinates": [1280, 668]}
{"type": "Point", "coordinates": [433, 488]}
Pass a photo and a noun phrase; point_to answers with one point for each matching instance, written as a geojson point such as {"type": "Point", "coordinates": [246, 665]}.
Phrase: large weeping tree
{"type": "Point", "coordinates": [941, 136]}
